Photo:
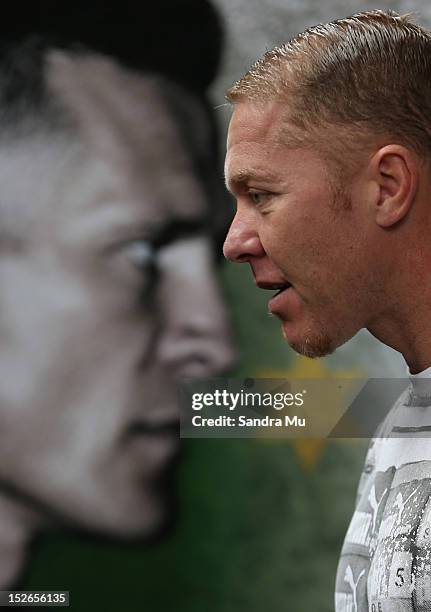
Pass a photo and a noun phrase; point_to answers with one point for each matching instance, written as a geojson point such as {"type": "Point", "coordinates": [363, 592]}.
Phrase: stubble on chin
{"type": "Point", "coordinates": [314, 345]}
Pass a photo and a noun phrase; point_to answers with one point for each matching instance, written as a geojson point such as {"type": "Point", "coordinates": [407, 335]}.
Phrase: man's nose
{"type": "Point", "coordinates": [242, 241]}
{"type": "Point", "coordinates": [196, 338]}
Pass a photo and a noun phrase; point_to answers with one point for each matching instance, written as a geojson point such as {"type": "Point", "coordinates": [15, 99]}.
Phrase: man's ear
{"type": "Point", "coordinates": [394, 170]}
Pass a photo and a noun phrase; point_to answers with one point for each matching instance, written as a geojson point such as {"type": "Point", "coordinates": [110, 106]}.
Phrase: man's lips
{"type": "Point", "coordinates": [276, 301]}
{"type": "Point", "coordinates": [279, 287]}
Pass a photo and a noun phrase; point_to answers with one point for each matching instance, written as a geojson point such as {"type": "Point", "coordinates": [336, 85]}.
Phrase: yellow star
{"type": "Point", "coordinates": [308, 450]}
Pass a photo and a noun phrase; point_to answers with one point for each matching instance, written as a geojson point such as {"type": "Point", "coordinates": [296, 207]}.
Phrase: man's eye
{"type": "Point", "coordinates": [258, 198]}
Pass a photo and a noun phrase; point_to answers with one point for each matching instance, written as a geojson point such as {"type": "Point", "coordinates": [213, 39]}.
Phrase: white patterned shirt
{"type": "Point", "coordinates": [385, 563]}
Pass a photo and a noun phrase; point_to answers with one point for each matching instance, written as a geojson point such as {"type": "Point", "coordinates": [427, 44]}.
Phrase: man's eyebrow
{"type": "Point", "coordinates": [240, 178]}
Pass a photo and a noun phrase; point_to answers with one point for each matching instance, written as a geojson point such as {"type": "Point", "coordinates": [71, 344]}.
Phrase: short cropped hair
{"type": "Point", "coordinates": [369, 74]}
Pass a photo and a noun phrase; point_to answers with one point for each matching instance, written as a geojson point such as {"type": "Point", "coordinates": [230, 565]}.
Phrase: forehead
{"type": "Point", "coordinates": [126, 127]}
{"type": "Point", "coordinates": [109, 102]}
{"type": "Point", "coordinates": [265, 151]}
{"type": "Point", "coordinates": [254, 142]}
{"type": "Point", "coordinates": [254, 122]}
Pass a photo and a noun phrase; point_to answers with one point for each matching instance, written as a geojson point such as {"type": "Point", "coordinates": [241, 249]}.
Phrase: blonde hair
{"type": "Point", "coordinates": [369, 74]}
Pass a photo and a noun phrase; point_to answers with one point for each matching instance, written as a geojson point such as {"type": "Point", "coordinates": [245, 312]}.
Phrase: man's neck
{"type": "Point", "coordinates": [408, 331]}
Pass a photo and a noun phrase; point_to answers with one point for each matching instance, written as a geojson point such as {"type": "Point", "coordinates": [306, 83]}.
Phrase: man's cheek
{"type": "Point", "coordinates": [289, 256]}
{"type": "Point", "coordinates": [276, 243]}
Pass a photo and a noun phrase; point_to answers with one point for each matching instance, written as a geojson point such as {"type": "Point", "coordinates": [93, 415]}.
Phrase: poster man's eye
{"type": "Point", "coordinates": [142, 254]}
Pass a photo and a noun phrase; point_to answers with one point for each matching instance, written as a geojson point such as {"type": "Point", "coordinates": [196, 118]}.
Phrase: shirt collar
{"type": "Point", "coordinates": [420, 384]}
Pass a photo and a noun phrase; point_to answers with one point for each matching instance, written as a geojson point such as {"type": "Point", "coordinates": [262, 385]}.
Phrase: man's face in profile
{"type": "Point", "coordinates": [104, 303]}
{"type": "Point", "coordinates": [305, 237]}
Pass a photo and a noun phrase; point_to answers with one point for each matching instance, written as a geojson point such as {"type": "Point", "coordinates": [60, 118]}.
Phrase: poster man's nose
{"type": "Point", "coordinates": [196, 339]}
